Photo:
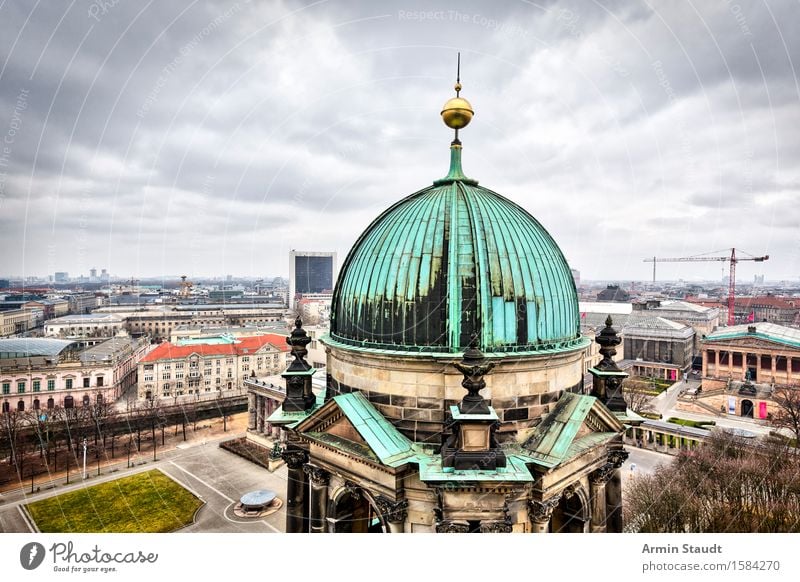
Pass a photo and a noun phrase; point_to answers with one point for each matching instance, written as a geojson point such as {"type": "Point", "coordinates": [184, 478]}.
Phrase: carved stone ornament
{"type": "Point", "coordinates": [392, 511]}
{"type": "Point", "coordinates": [353, 489]}
{"type": "Point", "coordinates": [617, 457]}
{"type": "Point", "coordinates": [570, 491]}
{"type": "Point", "coordinates": [294, 458]}
{"type": "Point", "coordinates": [608, 340]}
{"type": "Point", "coordinates": [317, 475]}
{"type": "Point", "coordinates": [298, 341]}
{"type": "Point", "coordinates": [542, 510]}
{"type": "Point", "coordinates": [495, 527]}
{"type": "Point", "coordinates": [474, 367]}
{"type": "Point", "coordinates": [603, 474]}
{"type": "Point", "coordinates": [452, 526]}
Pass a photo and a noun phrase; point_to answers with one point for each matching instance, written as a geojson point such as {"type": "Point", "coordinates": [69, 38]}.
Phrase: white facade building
{"type": "Point", "coordinates": [44, 373]}
{"type": "Point", "coordinates": [82, 326]}
{"type": "Point", "coordinates": [207, 365]}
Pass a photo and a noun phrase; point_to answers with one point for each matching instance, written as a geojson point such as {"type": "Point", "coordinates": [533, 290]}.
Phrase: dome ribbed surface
{"type": "Point", "coordinates": [449, 260]}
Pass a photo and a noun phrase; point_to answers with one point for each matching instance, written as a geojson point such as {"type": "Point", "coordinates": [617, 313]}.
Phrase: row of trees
{"type": "Point", "coordinates": [47, 441]}
{"type": "Point", "coordinates": [727, 485]}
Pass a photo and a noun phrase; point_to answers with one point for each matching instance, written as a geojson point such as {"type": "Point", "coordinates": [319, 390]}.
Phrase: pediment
{"type": "Point", "coordinates": [722, 345]}
{"type": "Point", "coordinates": [575, 423]}
{"type": "Point", "coordinates": [351, 425]}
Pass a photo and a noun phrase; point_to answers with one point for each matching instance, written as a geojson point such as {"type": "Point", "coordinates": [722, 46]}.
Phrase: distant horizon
{"type": "Point", "coordinates": [140, 279]}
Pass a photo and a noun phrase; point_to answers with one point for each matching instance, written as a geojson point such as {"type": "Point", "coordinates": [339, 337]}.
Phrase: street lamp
{"type": "Point", "coordinates": [84, 457]}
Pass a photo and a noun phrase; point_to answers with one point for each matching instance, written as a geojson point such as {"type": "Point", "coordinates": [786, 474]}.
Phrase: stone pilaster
{"type": "Point", "coordinates": [296, 501]}
{"type": "Point", "coordinates": [251, 411]}
{"type": "Point", "coordinates": [614, 492]}
{"type": "Point", "coordinates": [260, 413]}
{"type": "Point", "coordinates": [540, 513]}
{"type": "Point", "coordinates": [597, 486]}
{"type": "Point", "coordinates": [393, 512]}
{"type": "Point", "coordinates": [318, 498]}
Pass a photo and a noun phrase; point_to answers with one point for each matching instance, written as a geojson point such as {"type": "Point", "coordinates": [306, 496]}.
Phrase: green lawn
{"type": "Point", "coordinates": [706, 424]}
{"type": "Point", "coordinates": [147, 502]}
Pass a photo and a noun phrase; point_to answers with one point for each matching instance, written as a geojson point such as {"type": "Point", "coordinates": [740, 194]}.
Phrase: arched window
{"type": "Point", "coordinates": [36, 404]}
{"type": "Point", "coordinates": [6, 407]}
{"type": "Point", "coordinates": [86, 400]}
{"type": "Point", "coordinates": [50, 404]}
{"type": "Point", "coordinates": [21, 405]}
{"type": "Point", "coordinates": [99, 398]}
{"type": "Point", "coordinates": [69, 402]}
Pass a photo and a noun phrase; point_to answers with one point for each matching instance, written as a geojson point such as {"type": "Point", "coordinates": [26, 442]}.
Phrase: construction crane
{"type": "Point", "coordinates": [732, 259]}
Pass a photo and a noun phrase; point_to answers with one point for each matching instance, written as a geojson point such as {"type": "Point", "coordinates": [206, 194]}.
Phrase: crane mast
{"type": "Point", "coordinates": [732, 259]}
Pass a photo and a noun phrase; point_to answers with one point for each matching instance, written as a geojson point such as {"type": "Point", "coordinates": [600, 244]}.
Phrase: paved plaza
{"type": "Point", "coordinates": [216, 476]}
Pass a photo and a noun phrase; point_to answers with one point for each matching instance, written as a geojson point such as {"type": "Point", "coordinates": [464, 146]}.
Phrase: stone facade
{"type": "Point", "coordinates": [415, 391]}
{"type": "Point", "coordinates": [174, 371]}
{"type": "Point", "coordinates": [331, 491]}
{"type": "Point", "coordinates": [742, 366]}
{"type": "Point", "coordinates": [14, 321]}
{"type": "Point", "coordinates": [70, 379]}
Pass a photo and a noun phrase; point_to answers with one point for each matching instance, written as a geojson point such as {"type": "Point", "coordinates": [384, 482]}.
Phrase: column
{"type": "Point", "coordinates": [788, 370]}
{"type": "Point", "coordinates": [318, 498]}
{"type": "Point", "coordinates": [597, 487]}
{"type": "Point", "coordinates": [614, 492]}
{"type": "Point", "coordinates": [705, 364]}
{"type": "Point", "coordinates": [296, 501]}
{"type": "Point", "coordinates": [394, 513]}
{"type": "Point", "coordinates": [772, 358]}
{"type": "Point", "coordinates": [260, 413]}
{"type": "Point", "coordinates": [251, 411]}
{"type": "Point", "coordinates": [540, 512]}
{"type": "Point", "coordinates": [269, 405]}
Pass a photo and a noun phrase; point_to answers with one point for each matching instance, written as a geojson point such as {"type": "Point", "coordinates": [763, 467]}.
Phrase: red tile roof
{"type": "Point", "coordinates": [769, 301]}
{"type": "Point", "coordinates": [243, 345]}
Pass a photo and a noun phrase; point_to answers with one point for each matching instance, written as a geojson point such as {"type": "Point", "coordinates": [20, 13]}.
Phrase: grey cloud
{"type": "Point", "coordinates": [225, 134]}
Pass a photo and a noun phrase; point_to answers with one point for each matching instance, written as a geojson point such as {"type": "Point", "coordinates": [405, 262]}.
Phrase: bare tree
{"type": "Point", "coordinates": [788, 415]}
{"type": "Point", "coordinates": [727, 485]}
{"type": "Point", "coordinates": [11, 427]}
{"type": "Point", "coordinates": [637, 400]}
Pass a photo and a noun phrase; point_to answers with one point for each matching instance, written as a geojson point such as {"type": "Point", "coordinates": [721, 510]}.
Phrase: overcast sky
{"type": "Point", "coordinates": [210, 138]}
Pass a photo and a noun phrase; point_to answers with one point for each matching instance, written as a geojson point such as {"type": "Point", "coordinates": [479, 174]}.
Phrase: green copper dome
{"type": "Point", "coordinates": [450, 260]}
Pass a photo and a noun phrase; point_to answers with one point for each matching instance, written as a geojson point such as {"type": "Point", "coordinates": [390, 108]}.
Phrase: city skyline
{"type": "Point", "coordinates": [215, 139]}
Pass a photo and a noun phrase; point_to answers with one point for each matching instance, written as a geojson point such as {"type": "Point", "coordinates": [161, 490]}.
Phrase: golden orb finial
{"type": "Point", "coordinates": [457, 111]}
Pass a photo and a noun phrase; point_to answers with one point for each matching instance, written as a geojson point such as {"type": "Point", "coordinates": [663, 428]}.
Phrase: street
{"type": "Point", "coordinates": [643, 461]}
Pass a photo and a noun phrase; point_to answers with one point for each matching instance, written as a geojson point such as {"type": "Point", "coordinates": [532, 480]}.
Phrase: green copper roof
{"type": "Point", "coordinates": [769, 331]}
{"type": "Point", "coordinates": [451, 259]}
{"type": "Point", "coordinates": [384, 439]}
{"type": "Point", "coordinates": [384, 443]}
{"type": "Point", "coordinates": [556, 438]}
{"type": "Point", "coordinates": [431, 471]}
